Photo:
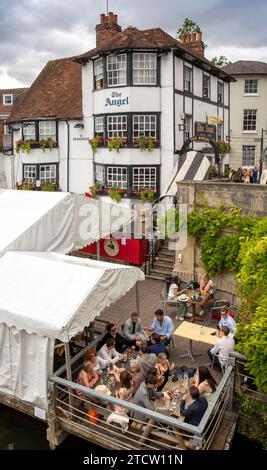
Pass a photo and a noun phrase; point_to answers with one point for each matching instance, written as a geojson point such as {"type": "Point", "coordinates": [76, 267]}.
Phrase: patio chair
{"type": "Point", "coordinates": [223, 368]}
{"type": "Point", "coordinates": [216, 309]}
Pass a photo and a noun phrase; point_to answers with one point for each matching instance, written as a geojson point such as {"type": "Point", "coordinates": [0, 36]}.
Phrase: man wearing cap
{"type": "Point", "coordinates": [227, 320]}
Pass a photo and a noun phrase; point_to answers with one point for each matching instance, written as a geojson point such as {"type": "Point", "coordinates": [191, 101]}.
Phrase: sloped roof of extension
{"type": "Point", "coordinates": [56, 93]}
{"type": "Point", "coordinates": [154, 38]}
{"type": "Point", "coordinates": [5, 109]}
{"type": "Point", "coordinates": [246, 67]}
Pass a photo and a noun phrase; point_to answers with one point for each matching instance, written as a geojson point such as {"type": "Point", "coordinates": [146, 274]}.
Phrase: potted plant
{"type": "Point", "coordinates": [223, 147]}
{"type": "Point", "coordinates": [48, 187]}
{"type": "Point", "coordinates": [95, 143]}
{"type": "Point", "coordinates": [146, 143]}
{"type": "Point", "coordinates": [116, 143]}
{"type": "Point", "coordinates": [47, 144]}
{"type": "Point", "coordinates": [28, 186]}
{"type": "Point", "coordinates": [96, 189]}
{"type": "Point", "coordinates": [146, 194]}
{"type": "Point", "coordinates": [116, 194]}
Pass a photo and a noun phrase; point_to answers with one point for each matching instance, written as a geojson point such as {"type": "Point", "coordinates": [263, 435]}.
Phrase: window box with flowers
{"type": "Point", "coordinates": [28, 145]}
{"type": "Point", "coordinates": [146, 143]}
{"type": "Point", "coordinates": [116, 143]}
{"type": "Point", "coordinates": [116, 194]}
{"type": "Point", "coordinates": [96, 142]}
{"type": "Point", "coordinates": [96, 190]}
{"type": "Point", "coordinates": [223, 147]}
{"type": "Point", "coordinates": [145, 194]}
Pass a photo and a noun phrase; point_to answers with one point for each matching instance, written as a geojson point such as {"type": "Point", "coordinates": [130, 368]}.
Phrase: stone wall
{"type": "Point", "coordinates": [251, 198]}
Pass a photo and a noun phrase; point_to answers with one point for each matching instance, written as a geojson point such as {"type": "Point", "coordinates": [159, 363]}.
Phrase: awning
{"type": "Point", "coordinates": [56, 296]}
{"type": "Point", "coordinates": [191, 166]}
{"type": "Point", "coordinates": [36, 220]}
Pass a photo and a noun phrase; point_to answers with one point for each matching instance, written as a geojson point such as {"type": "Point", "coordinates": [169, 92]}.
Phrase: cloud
{"type": "Point", "coordinates": [35, 31]}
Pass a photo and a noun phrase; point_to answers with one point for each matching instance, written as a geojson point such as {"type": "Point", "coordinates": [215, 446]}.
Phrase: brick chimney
{"type": "Point", "coordinates": [194, 41]}
{"type": "Point", "coordinates": [107, 28]}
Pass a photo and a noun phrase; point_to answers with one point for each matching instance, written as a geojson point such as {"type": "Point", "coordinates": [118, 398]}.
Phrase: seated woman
{"type": "Point", "coordinates": [121, 343]}
{"type": "Point", "coordinates": [174, 288]}
{"type": "Point", "coordinates": [205, 383]}
{"type": "Point", "coordinates": [87, 375]}
{"type": "Point", "coordinates": [137, 376]}
{"type": "Point", "coordinates": [163, 367]}
{"type": "Point", "coordinates": [206, 288]}
{"type": "Point", "coordinates": [125, 392]}
{"type": "Point", "coordinates": [108, 352]}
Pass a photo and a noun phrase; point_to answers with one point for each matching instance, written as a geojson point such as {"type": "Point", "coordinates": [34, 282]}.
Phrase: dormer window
{"type": "Point", "coordinates": [8, 100]}
{"type": "Point", "coordinates": [116, 70]}
{"type": "Point", "coordinates": [98, 73]}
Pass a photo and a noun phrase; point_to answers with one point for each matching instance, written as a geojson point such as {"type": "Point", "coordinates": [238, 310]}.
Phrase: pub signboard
{"type": "Point", "coordinates": [203, 129]}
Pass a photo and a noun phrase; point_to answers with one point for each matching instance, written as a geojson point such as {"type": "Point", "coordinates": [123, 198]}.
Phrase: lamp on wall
{"type": "Point", "coordinates": [79, 125]}
{"type": "Point", "coordinates": [14, 129]}
{"type": "Point", "coordinates": [26, 124]}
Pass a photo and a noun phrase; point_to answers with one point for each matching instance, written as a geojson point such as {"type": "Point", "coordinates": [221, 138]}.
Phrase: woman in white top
{"type": "Point", "coordinates": [109, 353]}
{"type": "Point", "coordinates": [206, 284]}
{"type": "Point", "coordinates": [173, 290]}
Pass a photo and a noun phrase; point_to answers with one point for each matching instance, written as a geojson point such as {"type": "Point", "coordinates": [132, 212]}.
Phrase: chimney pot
{"type": "Point", "coordinates": [102, 18]}
{"type": "Point", "coordinates": [183, 38]}
{"type": "Point", "coordinates": [194, 36]}
{"type": "Point", "coordinates": [188, 38]}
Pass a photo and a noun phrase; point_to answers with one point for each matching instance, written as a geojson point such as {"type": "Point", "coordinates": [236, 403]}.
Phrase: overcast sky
{"type": "Point", "coordinates": [35, 31]}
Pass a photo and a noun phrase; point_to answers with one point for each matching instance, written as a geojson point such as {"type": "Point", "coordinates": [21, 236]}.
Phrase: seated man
{"type": "Point", "coordinates": [144, 395]}
{"type": "Point", "coordinates": [220, 352]}
{"type": "Point", "coordinates": [227, 320]}
{"type": "Point", "coordinates": [195, 411]}
{"type": "Point", "coordinates": [162, 325]}
{"type": "Point", "coordinates": [133, 330]}
{"type": "Point", "coordinates": [157, 346]}
{"type": "Point", "coordinates": [108, 352]}
{"type": "Point", "coordinates": [121, 344]}
{"type": "Point", "coordinates": [146, 360]}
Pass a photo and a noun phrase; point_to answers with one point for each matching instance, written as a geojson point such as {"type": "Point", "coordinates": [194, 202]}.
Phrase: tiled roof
{"type": "Point", "coordinates": [9, 91]}
{"type": "Point", "coordinates": [56, 93]}
{"type": "Point", "coordinates": [246, 67]}
{"type": "Point", "coordinates": [155, 38]}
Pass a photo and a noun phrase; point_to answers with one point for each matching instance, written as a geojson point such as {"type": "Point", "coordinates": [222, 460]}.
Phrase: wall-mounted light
{"type": "Point", "coordinates": [79, 125]}
{"type": "Point", "coordinates": [14, 129]}
{"type": "Point", "coordinates": [181, 127]}
{"type": "Point", "coordinates": [26, 124]}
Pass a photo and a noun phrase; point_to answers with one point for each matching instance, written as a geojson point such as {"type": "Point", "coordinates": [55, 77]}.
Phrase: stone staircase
{"type": "Point", "coordinates": [163, 265]}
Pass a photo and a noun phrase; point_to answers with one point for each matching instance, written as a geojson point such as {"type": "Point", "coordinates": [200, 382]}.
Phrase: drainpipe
{"type": "Point", "coordinates": [68, 157]}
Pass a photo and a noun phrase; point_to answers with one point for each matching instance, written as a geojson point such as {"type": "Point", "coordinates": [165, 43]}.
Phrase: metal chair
{"type": "Point", "coordinates": [223, 368]}
{"type": "Point", "coordinates": [216, 309]}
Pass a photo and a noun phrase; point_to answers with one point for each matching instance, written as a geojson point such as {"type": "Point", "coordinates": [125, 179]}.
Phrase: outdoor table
{"type": "Point", "coordinates": [204, 297]}
{"type": "Point", "coordinates": [195, 332]}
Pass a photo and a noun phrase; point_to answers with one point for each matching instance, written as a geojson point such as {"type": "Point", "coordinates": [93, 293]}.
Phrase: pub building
{"type": "Point", "coordinates": [138, 96]}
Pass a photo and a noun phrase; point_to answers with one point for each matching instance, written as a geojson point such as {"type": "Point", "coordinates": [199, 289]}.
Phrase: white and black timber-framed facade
{"type": "Point", "coordinates": [134, 83]}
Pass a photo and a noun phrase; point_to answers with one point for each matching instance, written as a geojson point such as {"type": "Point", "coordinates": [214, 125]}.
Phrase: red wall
{"type": "Point", "coordinates": [131, 250]}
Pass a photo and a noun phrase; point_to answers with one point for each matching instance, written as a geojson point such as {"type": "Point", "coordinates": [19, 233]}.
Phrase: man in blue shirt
{"type": "Point", "coordinates": [162, 325]}
{"type": "Point", "coordinates": [157, 346]}
{"type": "Point", "coordinates": [227, 320]}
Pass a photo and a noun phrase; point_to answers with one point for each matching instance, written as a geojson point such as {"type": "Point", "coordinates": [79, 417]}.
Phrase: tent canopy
{"type": "Point", "coordinates": [36, 220]}
{"type": "Point", "coordinates": [55, 295]}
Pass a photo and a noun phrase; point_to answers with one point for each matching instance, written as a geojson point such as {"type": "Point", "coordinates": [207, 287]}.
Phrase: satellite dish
{"type": "Point", "coordinates": [182, 116]}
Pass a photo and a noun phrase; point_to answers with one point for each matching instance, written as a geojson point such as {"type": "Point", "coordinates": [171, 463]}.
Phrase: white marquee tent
{"type": "Point", "coordinates": [48, 296]}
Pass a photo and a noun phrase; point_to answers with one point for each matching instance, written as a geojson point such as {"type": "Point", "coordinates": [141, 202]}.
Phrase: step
{"type": "Point", "coordinates": [163, 272]}
{"type": "Point", "coordinates": [166, 252]}
{"type": "Point", "coordinates": [163, 264]}
{"type": "Point", "coordinates": [155, 277]}
{"type": "Point", "coordinates": [165, 259]}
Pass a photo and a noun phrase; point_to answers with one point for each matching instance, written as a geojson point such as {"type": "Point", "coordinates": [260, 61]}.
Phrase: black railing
{"type": "Point", "coordinates": [153, 247]}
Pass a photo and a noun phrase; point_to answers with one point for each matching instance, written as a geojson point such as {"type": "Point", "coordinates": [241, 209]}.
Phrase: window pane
{"type": "Point", "coordinates": [48, 174]}
{"type": "Point", "coordinates": [188, 79]}
{"type": "Point", "coordinates": [144, 69]}
{"type": "Point", "coordinates": [100, 174]}
{"type": "Point", "coordinates": [99, 124]}
{"type": "Point", "coordinates": [29, 173]}
{"type": "Point", "coordinates": [117, 126]}
{"type": "Point", "coordinates": [144, 125]}
{"type": "Point", "coordinates": [47, 130]}
{"type": "Point", "coordinates": [187, 128]}
{"type": "Point", "coordinates": [117, 177]}
{"type": "Point", "coordinates": [29, 131]}
{"type": "Point", "coordinates": [116, 69]}
{"type": "Point", "coordinates": [144, 177]}
{"type": "Point", "coordinates": [251, 87]}
{"type": "Point", "coordinates": [250, 120]}
{"type": "Point", "coordinates": [248, 158]}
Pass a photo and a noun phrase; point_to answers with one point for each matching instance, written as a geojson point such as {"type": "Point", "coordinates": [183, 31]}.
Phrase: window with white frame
{"type": "Point", "coordinates": [144, 124]}
{"type": "Point", "coordinates": [48, 174]}
{"type": "Point", "coordinates": [187, 128]}
{"type": "Point", "coordinates": [29, 131]}
{"type": "Point", "coordinates": [220, 92]}
{"type": "Point", "coordinates": [145, 177]}
{"type": "Point", "coordinates": [117, 177]}
{"type": "Point", "coordinates": [220, 132]}
{"type": "Point", "coordinates": [100, 174]}
{"type": "Point", "coordinates": [98, 73]}
{"type": "Point", "coordinates": [99, 124]}
{"type": "Point", "coordinates": [8, 99]}
{"type": "Point", "coordinates": [250, 120]}
{"type": "Point", "coordinates": [248, 157]}
{"type": "Point", "coordinates": [29, 173]}
{"type": "Point", "coordinates": [47, 130]}
{"type": "Point", "coordinates": [188, 79]}
{"type": "Point", "coordinates": [206, 86]}
{"type": "Point", "coordinates": [144, 68]}
{"type": "Point", "coordinates": [116, 69]}
{"type": "Point", "coordinates": [117, 126]}
{"type": "Point", "coordinates": [251, 87]}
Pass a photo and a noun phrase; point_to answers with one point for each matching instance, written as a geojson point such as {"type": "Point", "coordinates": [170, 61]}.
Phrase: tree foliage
{"type": "Point", "coordinates": [188, 27]}
{"type": "Point", "coordinates": [220, 61]}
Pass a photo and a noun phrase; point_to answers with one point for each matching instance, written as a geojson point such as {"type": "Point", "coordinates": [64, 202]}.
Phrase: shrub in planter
{"type": "Point", "coordinates": [115, 194]}
{"type": "Point", "coordinates": [116, 143]}
{"type": "Point", "coordinates": [146, 143]}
